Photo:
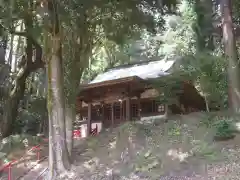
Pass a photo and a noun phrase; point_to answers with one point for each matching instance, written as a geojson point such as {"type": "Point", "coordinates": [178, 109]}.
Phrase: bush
{"type": "Point", "coordinates": [224, 130]}
{"type": "Point", "coordinates": [208, 120]}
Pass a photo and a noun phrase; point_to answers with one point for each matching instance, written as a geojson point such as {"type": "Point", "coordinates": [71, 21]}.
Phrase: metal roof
{"type": "Point", "coordinates": [148, 70]}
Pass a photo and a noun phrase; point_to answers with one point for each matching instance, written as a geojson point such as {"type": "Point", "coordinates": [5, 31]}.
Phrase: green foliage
{"type": "Point", "coordinates": [202, 26]}
{"type": "Point", "coordinates": [175, 130]}
{"type": "Point", "coordinates": [207, 68]}
{"type": "Point", "coordinates": [236, 13]}
{"type": "Point", "coordinates": [224, 129]}
{"type": "Point", "coordinates": [146, 130]}
{"type": "Point", "coordinates": [204, 150]}
{"type": "Point", "coordinates": [29, 118]}
{"type": "Point", "coordinates": [146, 161]}
{"type": "Point", "coordinates": [210, 75]}
{"type": "Point", "coordinates": [16, 142]}
{"type": "Point", "coordinates": [169, 87]}
{"type": "Point", "coordinates": [208, 120]}
{"type": "Point", "coordinates": [96, 33]}
{"type": "Point", "coordinates": [105, 57]}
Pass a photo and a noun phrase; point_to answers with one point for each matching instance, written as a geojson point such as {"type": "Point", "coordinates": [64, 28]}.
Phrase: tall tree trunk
{"type": "Point", "coordinates": [231, 56]}
{"type": "Point", "coordinates": [11, 106]}
{"type": "Point", "coordinates": [19, 49]}
{"type": "Point", "coordinates": [74, 65]}
{"type": "Point", "coordinates": [70, 118]}
{"type": "Point", "coordinates": [11, 51]}
{"type": "Point", "coordinates": [3, 48]}
{"type": "Point", "coordinates": [58, 153]}
{"type": "Point", "coordinates": [56, 109]}
{"type": "Point", "coordinates": [72, 88]}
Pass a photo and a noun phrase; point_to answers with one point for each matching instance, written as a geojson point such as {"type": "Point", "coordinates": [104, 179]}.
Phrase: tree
{"type": "Point", "coordinates": [29, 62]}
{"type": "Point", "coordinates": [231, 55]}
{"type": "Point", "coordinates": [58, 152]}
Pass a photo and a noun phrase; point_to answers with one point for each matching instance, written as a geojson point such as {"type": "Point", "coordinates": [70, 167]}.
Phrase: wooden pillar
{"type": "Point", "coordinates": [89, 120]}
{"type": "Point", "coordinates": [80, 110]}
{"type": "Point", "coordinates": [102, 114]}
{"type": "Point", "coordinates": [121, 111]}
{"type": "Point", "coordinates": [128, 109]}
{"type": "Point", "coordinates": [139, 107]}
{"type": "Point", "coordinates": [112, 114]}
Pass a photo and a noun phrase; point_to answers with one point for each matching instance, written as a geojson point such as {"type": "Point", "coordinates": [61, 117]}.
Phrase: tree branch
{"type": "Point", "coordinates": [19, 33]}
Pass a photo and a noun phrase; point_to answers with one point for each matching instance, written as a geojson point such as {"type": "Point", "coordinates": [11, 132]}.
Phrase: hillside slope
{"type": "Point", "coordinates": [181, 148]}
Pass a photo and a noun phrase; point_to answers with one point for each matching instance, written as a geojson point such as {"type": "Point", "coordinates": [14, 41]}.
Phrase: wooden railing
{"type": "Point", "coordinates": [77, 133]}
{"type": "Point", "coordinates": [7, 166]}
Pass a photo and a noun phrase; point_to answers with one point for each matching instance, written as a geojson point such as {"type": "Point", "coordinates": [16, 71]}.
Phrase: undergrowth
{"type": "Point", "coordinates": [222, 126]}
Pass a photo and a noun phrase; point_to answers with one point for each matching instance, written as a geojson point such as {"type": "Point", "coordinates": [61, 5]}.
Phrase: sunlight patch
{"type": "Point", "coordinates": [113, 145]}
{"type": "Point", "coordinates": [238, 126]}
{"type": "Point", "coordinates": [92, 164]}
{"type": "Point", "coordinates": [178, 154]}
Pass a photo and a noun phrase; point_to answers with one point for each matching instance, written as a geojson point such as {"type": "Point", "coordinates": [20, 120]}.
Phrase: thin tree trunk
{"type": "Point", "coordinates": [206, 103]}
{"type": "Point", "coordinates": [231, 56]}
{"type": "Point", "coordinates": [11, 51]}
{"type": "Point", "coordinates": [3, 48]}
{"type": "Point", "coordinates": [19, 49]}
{"type": "Point", "coordinates": [11, 106]}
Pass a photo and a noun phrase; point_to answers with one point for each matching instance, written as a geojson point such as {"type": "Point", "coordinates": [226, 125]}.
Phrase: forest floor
{"type": "Point", "coordinates": [180, 149]}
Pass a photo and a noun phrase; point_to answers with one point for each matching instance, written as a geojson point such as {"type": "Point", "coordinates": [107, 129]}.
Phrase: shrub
{"type": "Point", "coordinates": [208, 120]}
{"type": "Point", "coordinates": [224, 130]}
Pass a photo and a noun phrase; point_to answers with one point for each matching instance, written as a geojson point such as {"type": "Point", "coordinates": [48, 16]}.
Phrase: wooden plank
{"type": "Point", "coordinates": [103, 114]}
{"type": "Point", "coordinates": [89, 121]}
{"type": "Point", "coordinates": [121, 111]}
{"type": "Point", "coordinates": [139, 107]}
{"type": "Point", "coordinates": [128, 109]}
{"type": "Point", "coordinates": [112, 114]}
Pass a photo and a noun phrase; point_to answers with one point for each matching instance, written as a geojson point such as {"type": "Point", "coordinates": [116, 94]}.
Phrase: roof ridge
{"type": "Point", "coordinates": [130, 64]}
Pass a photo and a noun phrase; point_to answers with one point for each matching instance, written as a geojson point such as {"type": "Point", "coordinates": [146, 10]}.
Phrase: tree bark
{"type": "Point", "coordinates": [70, 118]}
{"type": "Point", "coordinates": [74, 66]}
{"type": "Point", "coordinates": [18, 50]}
{"type": "Point", "coordinates": [11, 51]}
{"type": "Point", "coordinates": [3, 48]}
{"type": "Point", "coordinates": [58, 153]}
{"type": "Point", "coordinates": [56, 110]}
{"type": "Point", "coordinates": [231, 56]}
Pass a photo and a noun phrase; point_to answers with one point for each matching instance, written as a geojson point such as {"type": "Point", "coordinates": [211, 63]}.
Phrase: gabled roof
{"type": "Point", "coordinates": [145, 70]}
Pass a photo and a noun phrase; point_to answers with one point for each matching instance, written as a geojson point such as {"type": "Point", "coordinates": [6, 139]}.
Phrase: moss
{"type": "Point", "coordinates": [49, 76]}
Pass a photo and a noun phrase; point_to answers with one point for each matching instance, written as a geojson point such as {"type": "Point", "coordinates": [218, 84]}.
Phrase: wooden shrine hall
{"type": "Point", "coordinates": [125, 94]}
